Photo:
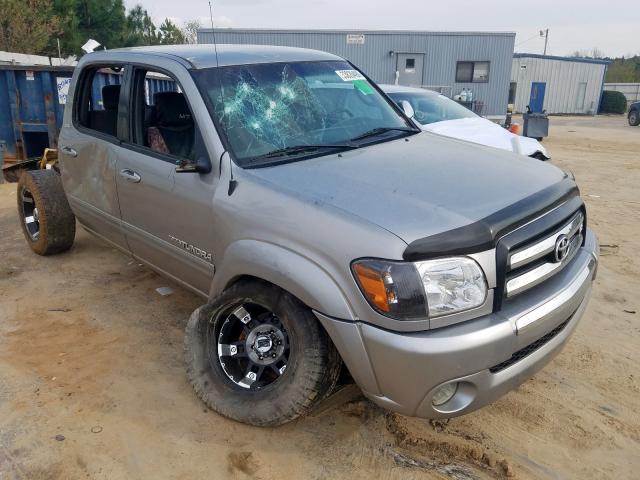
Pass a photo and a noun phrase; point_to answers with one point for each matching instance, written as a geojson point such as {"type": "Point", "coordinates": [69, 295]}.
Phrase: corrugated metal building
{"type": "Point", "coordinates": [445, 61]}
{"type": "Point", "coordinates": [559, 85]}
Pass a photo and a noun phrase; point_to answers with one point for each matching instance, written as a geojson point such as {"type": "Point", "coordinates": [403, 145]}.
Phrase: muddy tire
{"type": "Point", "coordinates": [48, 223]}
{"type": "Point", "coordinates": [634, 118]}
{"type": "Point", "coordinates": [259, 356]}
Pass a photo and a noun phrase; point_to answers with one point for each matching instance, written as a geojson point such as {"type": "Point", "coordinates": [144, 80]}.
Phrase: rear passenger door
{"type": "Point", "coordinates": [88, 149]}
{"type": "Point", "coordinates": [166, 216]}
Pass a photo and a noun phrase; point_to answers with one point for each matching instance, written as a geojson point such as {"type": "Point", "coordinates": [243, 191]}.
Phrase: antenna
{"type": "Point", "coordinates": [233, 183]}
{"type": "Point", "coordinates": [213, 31]}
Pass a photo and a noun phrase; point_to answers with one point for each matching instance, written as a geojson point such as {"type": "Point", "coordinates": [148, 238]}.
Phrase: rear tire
{"type": "Point", "coordinates": [48, 223]}
{"type": "Point", "coordinates": [634, 118]}
{"type": "Point", "coordinates": [301, 375]}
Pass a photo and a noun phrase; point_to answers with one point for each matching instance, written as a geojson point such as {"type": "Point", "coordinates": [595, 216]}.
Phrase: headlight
{"type": "Point", "coordinates": [452, 285]}
{"type": "Point", "coordinates": [409, 291]}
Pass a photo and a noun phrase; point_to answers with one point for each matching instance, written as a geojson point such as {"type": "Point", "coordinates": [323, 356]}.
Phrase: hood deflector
{"type": "Point", "coordinates": [484, 234]}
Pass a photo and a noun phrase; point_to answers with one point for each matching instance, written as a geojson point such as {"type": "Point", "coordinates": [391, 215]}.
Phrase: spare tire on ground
{"type": "Point", "coordinates": [48, 223]}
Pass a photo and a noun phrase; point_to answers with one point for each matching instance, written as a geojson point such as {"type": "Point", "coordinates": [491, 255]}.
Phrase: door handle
{"type": "Point", "coordinates": [69, 151]}
{"type": "Point", "coordinates": [130, 175]}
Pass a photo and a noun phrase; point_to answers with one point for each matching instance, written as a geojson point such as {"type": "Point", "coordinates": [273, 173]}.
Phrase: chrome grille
{"type": "Point", "coordinates": [536, 261]}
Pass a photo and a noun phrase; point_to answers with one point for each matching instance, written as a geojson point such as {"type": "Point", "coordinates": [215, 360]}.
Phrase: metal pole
{"type": "Point", "coordinates": [59, 54]}
{"type": "Point", "coordinates": [546, 40]}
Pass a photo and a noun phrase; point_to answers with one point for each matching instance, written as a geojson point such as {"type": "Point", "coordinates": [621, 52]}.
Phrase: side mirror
{"type": "Point", "coordinates": [407, 108]}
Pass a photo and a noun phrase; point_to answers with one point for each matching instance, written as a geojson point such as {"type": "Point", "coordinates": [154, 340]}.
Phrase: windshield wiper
{"type": "Point", "coordinates": [296, 149]}
{"type": "Point", "coordinates": [379, 130]}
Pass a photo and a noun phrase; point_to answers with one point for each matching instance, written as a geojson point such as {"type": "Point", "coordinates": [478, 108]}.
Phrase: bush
{"type": "Point", "coordinates": [613, 102]}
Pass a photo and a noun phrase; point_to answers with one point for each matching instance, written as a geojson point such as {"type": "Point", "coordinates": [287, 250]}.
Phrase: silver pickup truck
{"type": "Point", "coordinates": [321, 228]}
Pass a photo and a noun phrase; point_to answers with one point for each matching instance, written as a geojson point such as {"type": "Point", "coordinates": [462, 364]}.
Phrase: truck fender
{"type": "Point", "coordinates": [290, 271]}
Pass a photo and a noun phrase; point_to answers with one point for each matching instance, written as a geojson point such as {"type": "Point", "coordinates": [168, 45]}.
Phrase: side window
{"type": "Point", "coordinates": [98, 97]}
{"type": "Point", "coordinates": [162, 119]}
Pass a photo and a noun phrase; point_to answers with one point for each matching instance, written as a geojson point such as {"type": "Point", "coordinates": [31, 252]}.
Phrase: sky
{"type": "Point", "coordinates": [611, 27]}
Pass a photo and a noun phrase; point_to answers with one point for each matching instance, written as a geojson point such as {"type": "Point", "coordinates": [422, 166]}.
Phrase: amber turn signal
{"type": "Point", "coordinates": [392, 288]}
{"type": "Point", "coordinates": [372, 286]}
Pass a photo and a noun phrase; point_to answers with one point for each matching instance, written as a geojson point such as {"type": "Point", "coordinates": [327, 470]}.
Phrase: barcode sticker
{"type": "Point", "coordinates": [350, 75]}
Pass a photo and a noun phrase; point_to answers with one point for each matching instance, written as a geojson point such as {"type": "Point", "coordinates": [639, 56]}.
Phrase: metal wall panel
{"type": "Point", "coordinates": [377, 56]}
{"type": "Point", "coordinates": [563, 78]}
{"type": "Point", "coordinates": [30, 110]}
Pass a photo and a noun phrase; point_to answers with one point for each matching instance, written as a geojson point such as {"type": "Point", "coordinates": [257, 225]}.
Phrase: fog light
{"type": "Point", "coordinates": [443, 394]}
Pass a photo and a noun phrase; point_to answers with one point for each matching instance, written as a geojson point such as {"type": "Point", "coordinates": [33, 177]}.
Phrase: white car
{"type": "Point", "coordinates": [436, 113]}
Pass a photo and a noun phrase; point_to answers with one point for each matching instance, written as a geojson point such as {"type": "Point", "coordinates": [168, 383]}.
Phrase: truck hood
{"type": "Point", "coordinates": [416, 187]}
{"type": "Point", "coordinates": [485, 132]}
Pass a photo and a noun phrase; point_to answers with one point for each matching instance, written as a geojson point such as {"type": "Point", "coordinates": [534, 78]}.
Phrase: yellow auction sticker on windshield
{"type": "Point", "coordinates": [349, 75]}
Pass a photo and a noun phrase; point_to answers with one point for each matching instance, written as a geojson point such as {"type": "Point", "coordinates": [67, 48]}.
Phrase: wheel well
{"type": "Point", "coordinates": [248, 278]}
{"type": "Point", "coordinates": [244, 278]}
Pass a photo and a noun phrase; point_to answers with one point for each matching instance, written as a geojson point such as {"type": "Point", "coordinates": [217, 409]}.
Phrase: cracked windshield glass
{"type": "Point", "coordinates": [297, 109]}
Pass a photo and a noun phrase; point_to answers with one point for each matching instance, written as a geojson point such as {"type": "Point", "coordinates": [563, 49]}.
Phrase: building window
{"type": "Point", "coordinates": [410, 64]}
{"type": "Point", "coordinates": [472, 72]}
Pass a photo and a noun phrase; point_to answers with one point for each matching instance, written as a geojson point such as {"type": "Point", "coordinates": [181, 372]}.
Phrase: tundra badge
{"type": "Point", "coordinates": [198, 252]}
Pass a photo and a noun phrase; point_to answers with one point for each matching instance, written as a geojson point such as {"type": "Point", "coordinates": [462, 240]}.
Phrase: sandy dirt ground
{"type": "Point", "coordinates": [92, 383]}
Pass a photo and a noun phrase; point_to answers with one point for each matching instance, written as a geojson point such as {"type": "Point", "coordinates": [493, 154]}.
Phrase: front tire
{"type": "Point", "coordinates": [634, 118]}
{"type": "Point", "coordinates": [259, 356]}
{"type": "Point", "coordinates": [48, 223]}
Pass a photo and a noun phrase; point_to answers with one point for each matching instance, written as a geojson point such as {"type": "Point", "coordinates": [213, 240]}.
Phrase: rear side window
{"type": "Point", "coordinates": [97, 99]}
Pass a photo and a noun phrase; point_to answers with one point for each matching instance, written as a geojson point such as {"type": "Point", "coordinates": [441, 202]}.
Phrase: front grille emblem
{"type": "Point", "coordinates": [562, 248]}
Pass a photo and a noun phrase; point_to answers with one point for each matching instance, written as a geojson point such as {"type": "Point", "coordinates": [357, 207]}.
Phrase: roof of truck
{"type": "Point", "coordinates": [204, 56]}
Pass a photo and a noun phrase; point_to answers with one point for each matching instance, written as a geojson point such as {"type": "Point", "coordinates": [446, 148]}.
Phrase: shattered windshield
{"type": "Point", "coordinates": [298, 109]}
{"type": "Point", "coordinates": [433, 108]}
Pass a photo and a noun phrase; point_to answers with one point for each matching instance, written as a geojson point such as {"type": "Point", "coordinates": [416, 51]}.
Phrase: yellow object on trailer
{"type": "Point", "coordinates": [49, 160]}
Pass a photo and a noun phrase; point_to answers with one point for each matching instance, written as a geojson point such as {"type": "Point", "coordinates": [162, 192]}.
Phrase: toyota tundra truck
{"type": "Point", "coordinates": [321, 228]}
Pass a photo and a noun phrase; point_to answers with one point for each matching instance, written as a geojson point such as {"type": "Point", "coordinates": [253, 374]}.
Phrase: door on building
{"type": "Point", "coordinates": [536, 101]}
{"type": "Point", "coordinates": [410, 68]}
{"type": "Point", "coordinates": [580, 97]}
{"type": "Point", "coordinates": [513, 88]}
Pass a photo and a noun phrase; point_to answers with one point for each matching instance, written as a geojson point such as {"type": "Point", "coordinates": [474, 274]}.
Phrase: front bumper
{"type": "Point", "coordinates": [487, 356]}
